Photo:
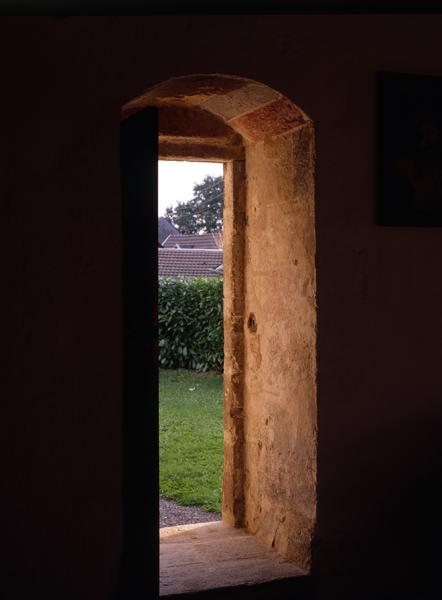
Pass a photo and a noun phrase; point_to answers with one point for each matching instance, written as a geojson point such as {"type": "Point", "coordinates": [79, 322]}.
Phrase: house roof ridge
{"type": "Point", "coordinates": [193, 249]}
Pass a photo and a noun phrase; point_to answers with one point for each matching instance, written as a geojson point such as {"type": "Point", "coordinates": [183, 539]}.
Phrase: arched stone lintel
{"type": "Point", "coordinates": [254, 110]}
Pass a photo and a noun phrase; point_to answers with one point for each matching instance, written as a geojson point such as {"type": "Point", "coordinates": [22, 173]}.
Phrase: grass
{"type": "Point", "coordinates": [191, 438]}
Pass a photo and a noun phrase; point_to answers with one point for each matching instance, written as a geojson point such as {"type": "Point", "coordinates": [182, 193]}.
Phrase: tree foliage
{"type": "Point", "coordinates": [203, 213]}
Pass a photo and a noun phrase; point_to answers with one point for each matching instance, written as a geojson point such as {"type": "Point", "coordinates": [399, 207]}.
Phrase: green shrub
{"type": "Point", "coordinates": [190, 318]}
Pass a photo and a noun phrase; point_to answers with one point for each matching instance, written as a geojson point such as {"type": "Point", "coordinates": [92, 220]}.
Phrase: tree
{"type": "Point", "coordinates": [203, 213]}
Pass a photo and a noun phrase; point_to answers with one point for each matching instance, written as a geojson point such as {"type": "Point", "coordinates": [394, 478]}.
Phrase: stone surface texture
{"type": "Point", "coordinates": [235, 190]}
{"type": "Point", "coordinates": [280, 348]}
{"type": "Point", "coordinates": [269, 120]}
{"type": "Point", "coordinates": [208, 556]}
{"type": "Point", "coordinates": [239, 101]}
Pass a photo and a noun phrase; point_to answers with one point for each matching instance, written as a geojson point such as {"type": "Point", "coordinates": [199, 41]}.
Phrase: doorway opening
{"type": "Point", "coordinates": [191, 353]}
{"type": "Point", "coordinates": [267, 146]}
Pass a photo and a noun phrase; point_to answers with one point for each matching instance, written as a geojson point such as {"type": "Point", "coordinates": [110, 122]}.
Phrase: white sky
{"type": "Point", "coordinates": [177, 178]}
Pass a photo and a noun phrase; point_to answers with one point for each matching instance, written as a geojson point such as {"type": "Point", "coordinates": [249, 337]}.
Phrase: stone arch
{"type": "Point", "coordinates": [267, 145]}
{"type": "Point", "coordinates": [254, 110]}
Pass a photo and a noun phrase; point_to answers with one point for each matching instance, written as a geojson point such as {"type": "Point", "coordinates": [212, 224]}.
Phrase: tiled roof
{"type": "Point", "coordinates": [189, 262]}
{"type": "Point", "coordinates": [209, 241]}
{"type": "Point", "coordinates": [166, 229]}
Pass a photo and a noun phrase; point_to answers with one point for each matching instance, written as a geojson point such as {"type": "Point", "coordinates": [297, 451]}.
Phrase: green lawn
{"type": "Point", "coordinates": [191, 437]}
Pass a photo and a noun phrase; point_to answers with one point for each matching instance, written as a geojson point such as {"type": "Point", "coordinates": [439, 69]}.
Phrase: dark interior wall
{"type": "Point", "coordinates": [61, 420]}
{"type": "Point", "coordinates": [379, 294]}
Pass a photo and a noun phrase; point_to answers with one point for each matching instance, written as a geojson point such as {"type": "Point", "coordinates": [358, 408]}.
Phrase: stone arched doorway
{"type": "Point", "coordinates": [267, 145]}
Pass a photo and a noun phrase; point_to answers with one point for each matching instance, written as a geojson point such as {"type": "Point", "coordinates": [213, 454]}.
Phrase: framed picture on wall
{"type": "Point", "coordinates": [409, 150]}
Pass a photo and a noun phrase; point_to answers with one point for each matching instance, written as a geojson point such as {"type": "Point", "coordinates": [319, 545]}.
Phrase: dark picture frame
{"type": "Point", "coordinates": [409, 150]}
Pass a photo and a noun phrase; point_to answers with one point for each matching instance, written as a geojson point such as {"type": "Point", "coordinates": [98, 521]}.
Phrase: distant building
{"type": "Point", "coordinates": [196, 255]}
{"type": "Point", "coordinates": [178, 262]}
{"type": "Point", "coordinates": [207, 241]}
{"type": "Point", "coordinates": [165, 229]}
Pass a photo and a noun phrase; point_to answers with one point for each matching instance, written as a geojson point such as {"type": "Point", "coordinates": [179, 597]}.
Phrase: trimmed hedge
{"type": "Point", "coordinates": [190, 318]}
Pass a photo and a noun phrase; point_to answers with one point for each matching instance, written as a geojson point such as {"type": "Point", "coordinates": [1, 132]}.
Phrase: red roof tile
{"type": "Point", "coordinates": [189, 262]}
